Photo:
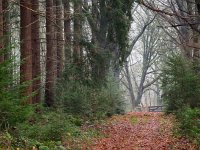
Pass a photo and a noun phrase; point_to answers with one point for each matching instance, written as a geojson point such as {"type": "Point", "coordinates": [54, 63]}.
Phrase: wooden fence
{"type": "Point", "coordinates": [156, 108]}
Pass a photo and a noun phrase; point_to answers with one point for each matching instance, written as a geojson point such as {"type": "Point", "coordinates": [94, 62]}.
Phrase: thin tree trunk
{"type": "Point", "coordinates": [158, 92]}
{"type": "Point", "coordinates": [36, 52]}
{"type": "Point", "coordinates": [51, 64]}
{"type": "Point", "coordinates": [130, 87]}
{"type": "Point", "coordinates": [1, 33]}
{"type": "Point", "coordinates": [77, 31]}
{"type": "Point", "coordinates": [6, 28]}
{"type": "Point", "coordinates": [141, 87]}
{"type": "Point", "coordinates": [59, 37]}
{"type": "Point", "coordinates": [196, 34]}
{"type": "Point", "coordinates": [67, 30]}
{"type": "Point", "coordinates": [95, 65]}
{"type": "Point", "coordinates": [26, 49]}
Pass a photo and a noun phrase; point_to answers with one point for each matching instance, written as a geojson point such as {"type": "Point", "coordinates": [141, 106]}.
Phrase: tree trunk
{"type": "Point", "coordinates": [96, 59]}
{"type": "Point", "coordinates": [26, 49]}
{"type": "Point", "coordinates": [59, 37]}
{"type": "Point", "coordinates": [51, 55]}
{"type": "Point", "coordinates": [1, 33]}
{"type": "Point", "coordinates": [6, 29]}
{"type": "Point", "coordinates": [196, 34]}
{"type": "Point", "coordinates": [101, 54]}
{"type": "Point", "coordinates": [77, 31]}
{"type": "Point", "coordinates": [130, 87]}
{"type": "Point", "coordinates": [36, 52]}
{"type": "Point", "coordinates": [142, 80]}
{"type": "Point", "coordinates": [67, 31]}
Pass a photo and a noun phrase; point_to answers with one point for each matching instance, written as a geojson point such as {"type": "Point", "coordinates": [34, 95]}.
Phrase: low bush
{"type": "Point", "coordinates": [89, 101]}
{"type": "Point", "coordinates": [42, 130]}
{"type": "Point", "coordinates": [189, 123]}
{"type": "Point", "coordinates": [49, 130]}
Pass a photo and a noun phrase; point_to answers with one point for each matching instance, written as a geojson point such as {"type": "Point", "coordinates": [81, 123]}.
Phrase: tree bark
{"type": "Point", "coordinates": [141, 85]}
{"type": "Point", "coordinates": [196, 34]}
{"type": "Point", "coordinates": [6, 29]}
{"type": "Point", "coordinates": [59, 37]}
{"type": "Point", "coordinates": [130, 87]}
{"type": "Point", "coordinates": [26, 49]}
{"type": "Point", "coordinates": [77, 31]}
{"type": "Point", "coordinates": [67, 30]}
{"type": "Point", "coordinates": [1, 33]}
{"type": "Point", "coordinates": [51, 55]}
{"type": "Point", "coordinates": [36, 52]}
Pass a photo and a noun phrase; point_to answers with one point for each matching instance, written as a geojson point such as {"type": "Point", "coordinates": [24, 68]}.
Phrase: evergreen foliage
{"type": "Point", "coordinates": [181, 85]}
{"type": "Point", "coordinates": [189, 123]}
{"type": "Point", "coordinates": [11, 112]}
{"type": "Point", "coordinates": [43, 128]}
{"type": "Point", "coordinates": [120, 20]}
{"type": "Point", "coordinates": [50, 126]}
{"type": "Point", "coordinates": [84, 98]}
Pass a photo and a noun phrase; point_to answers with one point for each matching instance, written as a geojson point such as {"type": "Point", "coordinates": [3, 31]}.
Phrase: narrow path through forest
{"type": "Point", "coordinates": [140, 131]}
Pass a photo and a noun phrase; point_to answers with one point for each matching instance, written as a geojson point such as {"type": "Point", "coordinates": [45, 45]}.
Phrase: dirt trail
{"type": "Point", "coordinates": [140, 131]}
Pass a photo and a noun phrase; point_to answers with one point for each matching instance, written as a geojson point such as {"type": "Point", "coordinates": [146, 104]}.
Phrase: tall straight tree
{"type": "Point", "coordinates": [26, 49]}
{"type": "Point", "coordinates": [1, 32]}
{"type": "Point", "coordinates": [51, 55]}
{"type": "Point", "coordinates": [67, 30]}
{"type": "Point", "coordinates": [36, 51]}
{"type": "Point", "coordinates": [6, 26]}
{"type": "Point", "coordinates": [77, 31]}
{"type": "Point", "coordinates": [59, 37]}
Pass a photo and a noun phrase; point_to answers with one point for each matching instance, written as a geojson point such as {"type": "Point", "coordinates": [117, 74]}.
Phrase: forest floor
{"type": "Point", "coordinates": [138, 131]}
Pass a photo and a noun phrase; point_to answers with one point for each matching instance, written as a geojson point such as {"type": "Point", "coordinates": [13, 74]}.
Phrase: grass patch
{"type": "Point", "coordinates": [134, 120]}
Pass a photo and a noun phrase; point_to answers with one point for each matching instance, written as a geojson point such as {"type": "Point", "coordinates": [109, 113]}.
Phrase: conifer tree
{"type": "Point", "coordinates": [26, 49]}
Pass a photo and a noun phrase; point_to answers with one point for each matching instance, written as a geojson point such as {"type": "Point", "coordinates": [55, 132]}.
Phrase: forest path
{"type": "Point", "coordinates": [140, 131]}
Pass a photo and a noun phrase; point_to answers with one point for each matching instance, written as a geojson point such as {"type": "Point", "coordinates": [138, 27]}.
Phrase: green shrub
{"type": "Point", "coordinates": [88, 100]}
{"type": "Point", "coordinates": [10, 110]}
{"type": "Point", "coordinates": [47, 127]}
{"type": "Point", "coordinates": [44, 129]}
{"type": "Point", "coordinates": [181, 88]}
{"type": "Point", "coordinates": [189, 123]}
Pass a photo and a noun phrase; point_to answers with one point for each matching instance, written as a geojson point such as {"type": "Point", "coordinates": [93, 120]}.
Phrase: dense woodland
{"type": "Point", "coordinates": [70, 64]}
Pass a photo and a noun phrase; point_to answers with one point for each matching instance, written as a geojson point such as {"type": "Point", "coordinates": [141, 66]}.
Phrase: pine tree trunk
{"type": "Point", "coordinates": [26, 49]}
{"type": "Point", "coordinates": [59, 37]}
{"type": "Point", "coordinates": [67, 31]}
{"type": "Point", "coordinates": [6, 28]}
{"type": "Point", "coordinates": [1, 33]}
{"type": "Point", "coordinates": [51, 55]}
{"type": "Point", "coordinates": [77, 31]}
{"type": "Point", "coordinates": [36, 52]}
